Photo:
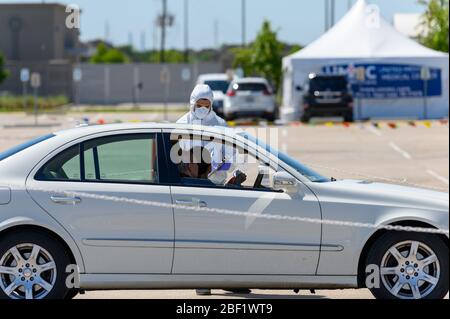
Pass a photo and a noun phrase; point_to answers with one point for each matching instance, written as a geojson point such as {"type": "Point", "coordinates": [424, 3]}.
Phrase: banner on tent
{"type": "Point", "coordinates": [387, 81]}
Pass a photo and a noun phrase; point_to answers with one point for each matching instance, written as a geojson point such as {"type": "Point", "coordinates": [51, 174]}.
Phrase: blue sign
{"type": "Point", "coordinates": [388, 81]}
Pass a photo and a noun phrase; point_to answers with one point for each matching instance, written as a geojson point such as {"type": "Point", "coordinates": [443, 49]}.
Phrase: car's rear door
{"type": "Point", "coordinates": [113, 236]}
{"type": "Point", "coordinates": [232, 244]}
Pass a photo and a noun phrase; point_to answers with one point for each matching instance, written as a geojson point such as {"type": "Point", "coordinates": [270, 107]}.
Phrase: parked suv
{"type": "Point", "coordinates": [250, 97]}
{"type": "Point", "coordinates": [327, 96]}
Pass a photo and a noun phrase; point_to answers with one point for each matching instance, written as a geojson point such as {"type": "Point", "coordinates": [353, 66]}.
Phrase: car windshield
{"type": "Point", "coordinates": [328, 83]}
{"type": "Point", "coordinates": [302, 169]}
{"type": "Point", "coordinates": [218, 85]}
{"type": "Point", "coordinates": [24, 146]}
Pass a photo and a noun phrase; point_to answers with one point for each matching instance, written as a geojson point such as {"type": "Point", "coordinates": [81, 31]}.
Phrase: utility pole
{"type": "Point", "coordinates": [186, 31]}
{"type": "Point", "coordinates": [327, 12]}
{"type": "Point", "coordinates": [244, 23]}
{"type": "Point", "coordinates": [216, 33]}
{"type": "Point", "coordinates": [333, 12]}
{"type": "Point", "coordinates": [107, 31]}
{"type": "Point", "coordinates": [130, 39]}
{"type": "Point", "coordinates": [143, 41]}
{"type": "Point", "coordinates": [163, 25]}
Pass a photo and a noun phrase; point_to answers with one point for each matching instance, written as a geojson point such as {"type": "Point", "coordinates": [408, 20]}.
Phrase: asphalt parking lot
{"type": "Point", "coordinates": [411, 154]}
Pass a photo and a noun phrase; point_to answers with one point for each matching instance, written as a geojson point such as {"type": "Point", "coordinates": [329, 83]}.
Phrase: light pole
{"type": "Point", "coordinates": [186, 31]}
{"type": "Point", "coordinates": [333, 12]}
{"type": "Point", "coordinates": [244, 23]}
{"type": "Point", "coordinates": [163, 23]}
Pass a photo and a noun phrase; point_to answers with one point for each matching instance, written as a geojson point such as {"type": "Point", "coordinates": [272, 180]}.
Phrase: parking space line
{"type": "Point", "coordinates": [398, 149]}
{"type": "Point", "coordinates": [374, 130]}
{"type": "Point", "coordinates": [438, 177]}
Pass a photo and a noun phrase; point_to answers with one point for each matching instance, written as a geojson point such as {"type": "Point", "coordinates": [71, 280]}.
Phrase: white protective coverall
{"type": "Point", "coordinates": [218, 152]}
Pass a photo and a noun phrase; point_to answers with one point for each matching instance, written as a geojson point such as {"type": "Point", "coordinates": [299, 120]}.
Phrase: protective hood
{"type": "Point", "coordinates": [201, 92]}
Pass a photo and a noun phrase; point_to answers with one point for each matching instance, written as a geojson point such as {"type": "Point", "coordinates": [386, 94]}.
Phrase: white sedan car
{"type": "Point", "coordinates": [114, 203]}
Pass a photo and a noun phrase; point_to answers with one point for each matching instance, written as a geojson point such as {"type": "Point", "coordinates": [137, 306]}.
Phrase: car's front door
{"type": "Point", "coordinates": [113, 236]}
{"type": "Point", "coordinates": [217, 242]}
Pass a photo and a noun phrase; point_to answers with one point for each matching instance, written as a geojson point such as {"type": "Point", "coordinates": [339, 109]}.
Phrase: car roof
{"type": "Point", "coordinates": [213, 77]}
{"type": "Point", "coordinates": [94, 129]}
{"type": "Point", "coordinates": [251, 80]}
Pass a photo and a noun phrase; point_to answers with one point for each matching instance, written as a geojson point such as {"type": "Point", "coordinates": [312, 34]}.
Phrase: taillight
{"type": "Point", "coordinates": [231, 93]}
{"type": "Point", "coordinates": [267, 92]}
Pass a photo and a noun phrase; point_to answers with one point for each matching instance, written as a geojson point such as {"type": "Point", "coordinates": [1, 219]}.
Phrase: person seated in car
{"type": "Point", "coordinates": [195, 167]}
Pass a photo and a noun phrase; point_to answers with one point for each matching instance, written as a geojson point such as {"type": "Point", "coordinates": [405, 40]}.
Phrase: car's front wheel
{"type": "Point", "coordinates": [411, 266]}
{"type": "Point", "coordinates": [32, 266]}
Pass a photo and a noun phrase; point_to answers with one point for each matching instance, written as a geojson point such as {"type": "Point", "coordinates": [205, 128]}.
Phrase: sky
{"type": "Point", "coordinates": [212, 22]}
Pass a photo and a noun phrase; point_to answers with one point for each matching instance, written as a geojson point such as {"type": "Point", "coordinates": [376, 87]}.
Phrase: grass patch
{"type": "Point", "coordinates": [11, 103]}
{"type": "Point", "coordinates": [118, 110]}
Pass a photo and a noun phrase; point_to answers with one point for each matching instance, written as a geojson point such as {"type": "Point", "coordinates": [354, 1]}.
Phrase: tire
{"type": "Point", "coordinates": [270, 117]}
{"type": "Point", "coordinates": [72, 294]}
{"type": "Point", "coordinates": [229, 117]}
{"type": "Point", "coordinates": [381, 256]}
{"type": "Point", "coordinates": [348, 117]}
{"type": "Point", "coordinates": [49, 250]}
{"type": "Point", "coordinates": [305, 118]}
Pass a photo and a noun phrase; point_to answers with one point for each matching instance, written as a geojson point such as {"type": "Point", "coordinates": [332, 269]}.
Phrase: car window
{"type": "Point", "coordinates": [218, 85]}
{"type": "Point", "coordinates": [220, 165]}
{"type": "Point", "coordinates": [328, 83]}
{"type": "Point", "coordinates": [63, 167]}
{"type": "Point", "coordinates": [24, 146]}
{"type": "Point", "coordinates": [127, 158]}
{"type": "Point", "coordinates": [254, 87]}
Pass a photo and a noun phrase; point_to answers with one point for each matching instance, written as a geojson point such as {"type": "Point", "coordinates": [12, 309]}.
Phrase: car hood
{"type": "Point", "coordinates": [367, 192]}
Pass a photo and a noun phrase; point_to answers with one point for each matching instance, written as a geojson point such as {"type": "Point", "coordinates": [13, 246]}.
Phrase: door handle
{"type": "Point", "coordinates": [63, 200]}
{"type": "Point", "coordinates": [192, 203]}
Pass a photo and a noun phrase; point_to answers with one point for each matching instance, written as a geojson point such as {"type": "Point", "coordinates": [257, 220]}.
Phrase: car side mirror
{"type": "Point", "coordinates": [283, 181]}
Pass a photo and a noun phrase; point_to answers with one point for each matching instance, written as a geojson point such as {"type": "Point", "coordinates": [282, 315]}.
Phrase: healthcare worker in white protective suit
{"type": "Point", "coordinates": [202, 113]}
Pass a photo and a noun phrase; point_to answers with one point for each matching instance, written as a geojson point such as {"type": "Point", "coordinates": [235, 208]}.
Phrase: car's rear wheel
{"type": "Point", "coordinates": [229, 117]}
{"type": "Point", "coordinates": [411, 266]}
{"type": "Point", "coordinates": [305, 118]}
{"type": "Point", "coordinates": [32, 266]}
{"type": "Point", "coordinates": [348, 117]}
{"type": "Point", "coordinates": [270, 117]}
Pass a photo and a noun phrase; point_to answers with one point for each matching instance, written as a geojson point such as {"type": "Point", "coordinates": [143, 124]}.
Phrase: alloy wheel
{"type": "Point", "coordinates": [410, 270]}
{"type": "Point", "coordinates": [27, 271]}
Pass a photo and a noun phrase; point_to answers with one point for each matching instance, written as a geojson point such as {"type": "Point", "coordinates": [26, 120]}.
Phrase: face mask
{"type": "Point", "coordinates": [201, 112]}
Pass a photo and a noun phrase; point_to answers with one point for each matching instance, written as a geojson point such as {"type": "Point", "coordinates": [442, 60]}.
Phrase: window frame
{"type": "Point", "coordinates": [160, 162]}
{"type": "Point", "coordinates": [176, 181]}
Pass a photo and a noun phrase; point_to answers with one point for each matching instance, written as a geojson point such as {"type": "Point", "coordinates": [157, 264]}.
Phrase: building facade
{"type": "Point", "coordinates": [36, 33]}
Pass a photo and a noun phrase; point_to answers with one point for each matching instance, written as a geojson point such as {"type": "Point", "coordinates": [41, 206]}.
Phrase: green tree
{"type": "Point", "coordinates": [243, 60]}
{"type": "Point", "coordinates": [3, 72]}
{"type": "Point", "coordinates": [268, 54]}
{"type": "Point", "coordinates": [172, 56]}
{"type": "Point", "coordinates": [263, 57]}
{"type": "Point", "coordinates": [108, 55]}
{"type": "Point", "coordinates": [435, 24]}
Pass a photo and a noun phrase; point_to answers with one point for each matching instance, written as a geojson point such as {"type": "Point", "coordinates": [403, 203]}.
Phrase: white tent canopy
{"type": "Point", "coordinates": [363, 37]}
